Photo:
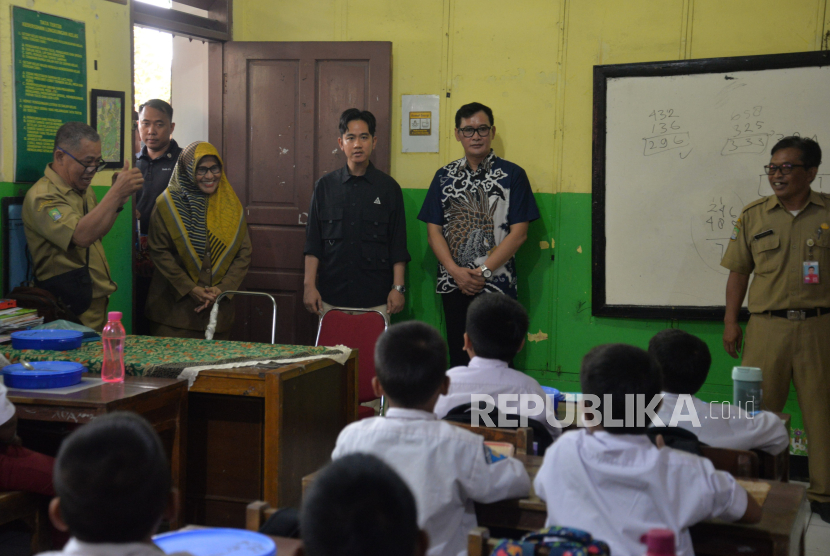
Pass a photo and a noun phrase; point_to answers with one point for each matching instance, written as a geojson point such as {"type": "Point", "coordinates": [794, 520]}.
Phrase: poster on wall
{"type": "Point", "coordinates": [49, 85]}
{"type": "Point", "coordinates": [107, 117]}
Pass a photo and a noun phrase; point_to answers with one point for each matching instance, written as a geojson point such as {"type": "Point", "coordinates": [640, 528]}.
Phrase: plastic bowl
{"type": "Point", "coordinates": [55, 339]}
{"type": "Point", "coordinates": [47, 374]}
{"type": "Point", "coordinates": [215, 542]}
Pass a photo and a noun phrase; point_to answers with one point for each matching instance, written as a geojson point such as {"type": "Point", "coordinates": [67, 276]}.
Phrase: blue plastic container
{"type": "Point", "coordinates": [53, 339]}
{"type": "Point", "coordinates": [555, 395]}
{"type": "Point", "coordinates": [47, 374]}
{"type": "Point", "coordinates": [216, 542]}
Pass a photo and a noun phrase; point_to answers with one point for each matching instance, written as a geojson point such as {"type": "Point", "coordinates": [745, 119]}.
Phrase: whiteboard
{"type": "Point", "coordinates": [679, 150]}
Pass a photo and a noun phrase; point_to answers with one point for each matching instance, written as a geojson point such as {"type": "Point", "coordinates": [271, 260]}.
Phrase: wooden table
{"type": "Point", "coordinates": [162, 401]}
{"type": "Point", "coordinates": [780, 532]}
{"type": "Point", "coordinates": [255, 433]}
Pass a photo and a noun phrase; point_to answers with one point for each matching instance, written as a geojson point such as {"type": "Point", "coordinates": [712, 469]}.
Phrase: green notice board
{"type": "Point", "coordinates": [49, 85]}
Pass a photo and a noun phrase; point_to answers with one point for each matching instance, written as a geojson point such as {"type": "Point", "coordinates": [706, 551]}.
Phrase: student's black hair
{"type": "Point", "coordinates": [810, 150]}
{"type": "Point", "coordinates": [353, 114]}
{"type": "Point", "coordinates": [359, 506]}
{"type": "Point", "coordinates": [684, 360]}
{"type": "Point", "coordinates": [620, 369]}
{"type": "Point", "coordinates": [113, 480]}
{"type": "Point", "coordinates": [468, 110]}
{"type": "Point", "coordinates": [496, 326]}
{"type": "Point", "coordinates": [411, 362]}
{"type": "Point", "coordinates": [159, 105]}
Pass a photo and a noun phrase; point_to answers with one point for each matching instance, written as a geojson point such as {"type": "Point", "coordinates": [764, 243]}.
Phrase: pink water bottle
{"type": "Point", "coordinates": [113, 339]}
{"type": "Point", "coordinates": [660, 542]}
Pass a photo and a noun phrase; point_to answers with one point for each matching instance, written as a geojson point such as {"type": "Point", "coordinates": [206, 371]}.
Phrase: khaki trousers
{"type": "Point", "coordinates": [96, 316]}
{"type": "Point", "coordinates": [799, 351]}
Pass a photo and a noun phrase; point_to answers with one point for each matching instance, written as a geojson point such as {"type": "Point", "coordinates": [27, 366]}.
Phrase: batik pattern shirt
{"type": "Point", "coordinates": [476, 210]}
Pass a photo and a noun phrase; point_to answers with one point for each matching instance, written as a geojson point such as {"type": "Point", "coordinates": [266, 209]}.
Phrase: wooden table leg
{"type": "Point", "coordinates": [178, 459]}
{"type": "Point", "coordinates": [271, 448]}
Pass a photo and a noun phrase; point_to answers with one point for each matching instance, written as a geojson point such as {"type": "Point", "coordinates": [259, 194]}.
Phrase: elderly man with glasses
{"type": "Point", "coordinates": [778, 239]}
{"type": "Point", "coordinates": [64, 223]}
{"type": "Point", "coordinates": [477, 211]}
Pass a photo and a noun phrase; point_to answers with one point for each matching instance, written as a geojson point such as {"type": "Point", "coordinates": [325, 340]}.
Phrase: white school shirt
{"type": "Point", "coordinates": [617, 487]}
{"type": "Point", "coordinates": [445, 467]}
{"type": "Point", "coordinates": [79, 548]}
{"type": "Point", "coordinates": [729, 426]}
{"type": "Point", "coordinates": [492, 377]}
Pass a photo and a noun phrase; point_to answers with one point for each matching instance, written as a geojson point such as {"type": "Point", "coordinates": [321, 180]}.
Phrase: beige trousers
{"type": "Point", "coordinates": [788, 350]}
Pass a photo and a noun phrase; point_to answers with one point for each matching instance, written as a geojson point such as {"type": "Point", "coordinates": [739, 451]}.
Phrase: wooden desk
{"type": "Point", "coordinates": [256, 433]}
{"type": "Point", "coordinates": [162, 401]}
{"type": "Point", "coordinates": [780, 532]}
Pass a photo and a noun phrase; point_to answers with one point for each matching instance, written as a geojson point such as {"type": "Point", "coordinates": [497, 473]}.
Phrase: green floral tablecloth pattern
{"type": "Point", "coordinates": [167, 357]}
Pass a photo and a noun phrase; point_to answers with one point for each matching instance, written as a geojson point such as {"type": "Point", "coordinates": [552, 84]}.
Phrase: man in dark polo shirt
{"type": "Point", "coordinates": [156, 161]}
{"type": "Point", "coordinates": [356, 232]}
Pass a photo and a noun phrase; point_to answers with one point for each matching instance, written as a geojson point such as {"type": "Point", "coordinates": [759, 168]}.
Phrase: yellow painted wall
{"type": "Point", "coordinates": [531, 60]}
{"type": "Point", "coordinates": [107, 41]}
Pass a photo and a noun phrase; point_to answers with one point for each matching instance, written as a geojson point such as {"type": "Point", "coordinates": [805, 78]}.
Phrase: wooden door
{"type": "Point", "coordinates": [281, 107]}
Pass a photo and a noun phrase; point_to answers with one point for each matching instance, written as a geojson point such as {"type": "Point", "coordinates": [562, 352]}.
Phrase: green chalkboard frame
{"type": "Point", "coordinates": [37, 117]}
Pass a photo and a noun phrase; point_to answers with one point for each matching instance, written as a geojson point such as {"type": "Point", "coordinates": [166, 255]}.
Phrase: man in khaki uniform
{"type": "Point", "coordinates": [64, 222]}
{"type": "Point", "coordinates": [779, 238]}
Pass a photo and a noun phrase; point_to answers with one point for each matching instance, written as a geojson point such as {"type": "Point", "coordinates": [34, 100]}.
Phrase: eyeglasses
{"type": "Point", "coordinates": [785, 168]}
{"type": "Point", "coordinates": [88, 169]}
{"type": "Point", "coordinates": [215, 170]}
{"type": "Point", "coordinates": [483, 131]}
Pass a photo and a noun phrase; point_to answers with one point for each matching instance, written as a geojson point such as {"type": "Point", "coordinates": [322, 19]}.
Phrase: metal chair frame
{"type": "Point", "coordinates": [355, 310]}
{"type": "Point", "coordinates": [257, 294]}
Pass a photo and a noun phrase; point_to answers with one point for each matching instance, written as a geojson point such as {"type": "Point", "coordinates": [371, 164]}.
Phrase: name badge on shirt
{"type": "Point", "coordinates": [811, 272]}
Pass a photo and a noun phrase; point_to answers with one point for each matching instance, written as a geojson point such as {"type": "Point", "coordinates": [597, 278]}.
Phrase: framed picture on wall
{"type": "Point", "coordinates": [106, 109]}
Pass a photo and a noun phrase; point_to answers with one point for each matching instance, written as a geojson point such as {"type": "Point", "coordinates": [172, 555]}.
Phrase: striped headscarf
{"type": "Point", "coordinates": [196, 220]}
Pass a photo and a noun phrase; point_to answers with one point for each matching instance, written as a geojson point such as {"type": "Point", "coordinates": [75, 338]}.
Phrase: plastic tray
{"type": "Point", "coordinates": [215, 542]}
{"type": "Point", "coordinates": [54, 339]}
{"type": "Point", "coordinates": [47, 374]}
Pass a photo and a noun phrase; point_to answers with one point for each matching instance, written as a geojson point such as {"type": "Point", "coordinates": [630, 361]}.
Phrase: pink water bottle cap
{"type": "Point", "coordinates": [660, 542]}
{"type": "Point", "coordinates": [114, 315]}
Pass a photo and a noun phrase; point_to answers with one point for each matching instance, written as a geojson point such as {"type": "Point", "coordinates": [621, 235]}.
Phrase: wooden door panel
{"type": "Point", "coordinates": [272, 168]}
{"type": "Point", "coordinates": [281, 108]}
{"type": "Point", "coordinates": [340, 84]}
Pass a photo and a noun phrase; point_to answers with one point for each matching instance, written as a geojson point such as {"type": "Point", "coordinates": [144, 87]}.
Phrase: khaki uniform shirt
{"type": "Point", "coordinates": [51, 212]}
{"type": "Point", "coordinates": [168, 301]}
{"type": "Point", "coordinates": [778, 258]}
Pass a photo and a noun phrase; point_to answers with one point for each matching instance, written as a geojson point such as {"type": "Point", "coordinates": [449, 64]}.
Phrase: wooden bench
{"type": "Point", "coordinates": [32, 510]}
{"type": "Point", "coordinates": [740, 463]}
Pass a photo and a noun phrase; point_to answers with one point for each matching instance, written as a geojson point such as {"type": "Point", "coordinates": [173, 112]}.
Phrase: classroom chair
{"type": "Point", "coordinates": [31, 509]}
{"type": "Point", "coordinates": [521, 438]}
{"type": "Point", "coordinates": [356, 331]}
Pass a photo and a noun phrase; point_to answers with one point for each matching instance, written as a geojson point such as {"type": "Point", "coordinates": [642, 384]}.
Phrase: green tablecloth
{"type": "Point", "coordinates": [167, 357]}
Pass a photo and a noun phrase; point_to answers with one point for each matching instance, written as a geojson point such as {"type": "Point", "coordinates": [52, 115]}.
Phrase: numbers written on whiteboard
{"type": "Point", "coordinates": [663, 143]}
{"type": "Point", "coordinates": [746, 144]}
{"type": "Point", "coordinates": [720, 215]}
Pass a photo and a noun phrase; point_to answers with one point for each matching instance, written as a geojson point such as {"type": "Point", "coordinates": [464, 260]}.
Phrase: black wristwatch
{"type": "Point", "coordinates": [486, 272]}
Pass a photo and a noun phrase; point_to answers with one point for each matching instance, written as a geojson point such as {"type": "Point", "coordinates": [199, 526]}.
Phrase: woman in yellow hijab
{"type": "Point", "coordinates": [199, 244]}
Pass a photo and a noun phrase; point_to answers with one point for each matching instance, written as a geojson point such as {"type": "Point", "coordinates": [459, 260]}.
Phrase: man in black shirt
{"type": "Point", "coordinates": [356, 232]}
{"type": "Point", "coordinates": [156, 161]}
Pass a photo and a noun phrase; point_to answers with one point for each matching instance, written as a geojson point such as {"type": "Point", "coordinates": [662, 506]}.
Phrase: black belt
{"type": "Point", "coordinates": [799, 314]}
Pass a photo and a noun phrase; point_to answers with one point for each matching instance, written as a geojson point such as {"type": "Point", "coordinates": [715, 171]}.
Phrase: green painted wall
{"type": "Point", "coordinates": [117, 244]}
{"type": "Point", "coordinates": [557, 294]}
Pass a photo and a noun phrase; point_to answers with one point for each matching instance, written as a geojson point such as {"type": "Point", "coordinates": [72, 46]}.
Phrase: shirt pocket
{"type": "Point", "coordinates": [331, 223]}
{"type": "Point", "coordinates": [374, 256]}
{"type": "Point", "coordinates": [765, 252]}
{"type": "Point", "coordinates": [374, 225]}
{"type": "Point", "coordinates": [822, 251]}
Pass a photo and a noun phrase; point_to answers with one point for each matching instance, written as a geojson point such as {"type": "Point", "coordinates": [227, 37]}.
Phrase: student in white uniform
{"type": "Point", "coordinates": [447, 468]}
{"type": "Point", "coordinates": [112, 482]}
{"type": "Point", "coordinates": [685, 360]}
{"type": "Point", "coordinates": [615, 484]}
{"type": "Point", "coordinates": [358, 506]}
{"type": "Point", "coordinates": [496, 327]}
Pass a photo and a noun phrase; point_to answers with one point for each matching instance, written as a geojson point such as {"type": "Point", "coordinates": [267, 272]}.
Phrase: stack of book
{"type": "Point", "coordinates": [17, 318]}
